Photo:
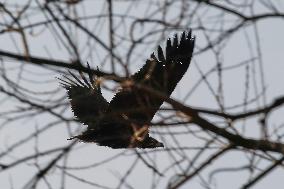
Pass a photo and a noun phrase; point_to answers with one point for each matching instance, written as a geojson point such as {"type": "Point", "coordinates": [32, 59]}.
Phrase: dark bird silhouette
{"type": "Point", "coordinates": [125, 121]}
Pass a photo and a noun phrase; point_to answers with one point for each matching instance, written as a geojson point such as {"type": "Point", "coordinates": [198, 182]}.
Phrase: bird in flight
{"type": "Point", "coordinates": [124, 121]}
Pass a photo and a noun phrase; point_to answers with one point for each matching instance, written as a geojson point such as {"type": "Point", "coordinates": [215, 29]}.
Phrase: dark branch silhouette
{"type": "Point", "coordinates": [224, 118]}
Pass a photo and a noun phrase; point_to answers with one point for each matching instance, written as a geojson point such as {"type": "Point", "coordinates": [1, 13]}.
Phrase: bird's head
{"type": "Point", "coordinates": [150, 142]}
{"type": "Point", "coordinates": [141, 138]}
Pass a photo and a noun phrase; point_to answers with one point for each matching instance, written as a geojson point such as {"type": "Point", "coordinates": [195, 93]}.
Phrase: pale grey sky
{"type": "Point", "coordinates": [242, 46]}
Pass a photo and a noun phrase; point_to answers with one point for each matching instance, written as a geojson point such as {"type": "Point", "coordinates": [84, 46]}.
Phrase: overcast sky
{"type": "Point", "coordinates": [44, 42]}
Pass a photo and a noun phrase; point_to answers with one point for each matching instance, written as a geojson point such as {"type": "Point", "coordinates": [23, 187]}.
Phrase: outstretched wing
{"type": "Point", "coordinates": [162, 74]}
{"type": "Point", "coordinates": [85, 97]}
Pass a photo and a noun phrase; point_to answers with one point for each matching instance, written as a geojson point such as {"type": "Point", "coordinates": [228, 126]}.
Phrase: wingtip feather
{"type": "Point", "coordinates": [161, 56]}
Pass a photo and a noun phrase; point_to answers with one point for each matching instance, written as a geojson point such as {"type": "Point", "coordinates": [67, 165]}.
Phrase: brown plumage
{"type": "Point", "coordinates": [125, 121]}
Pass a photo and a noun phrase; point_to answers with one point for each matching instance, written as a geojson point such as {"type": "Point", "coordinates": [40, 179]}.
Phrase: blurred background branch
{"type": "Point", "coordinates": [222, 127]}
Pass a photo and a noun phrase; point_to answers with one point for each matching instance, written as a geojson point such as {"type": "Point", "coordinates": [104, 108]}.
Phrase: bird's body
{"type": "Point", "coordinates": [125, 121]}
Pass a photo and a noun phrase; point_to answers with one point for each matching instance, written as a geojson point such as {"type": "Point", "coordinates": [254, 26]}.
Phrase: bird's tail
{"type": "Point", "coordinates": [71, 138]}
{"type": "Point", "coordinates": [86, 136]}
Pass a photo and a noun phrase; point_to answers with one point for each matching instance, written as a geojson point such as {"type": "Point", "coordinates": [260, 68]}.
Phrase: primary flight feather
{"type": "Point", "coordinates": [125, 121]}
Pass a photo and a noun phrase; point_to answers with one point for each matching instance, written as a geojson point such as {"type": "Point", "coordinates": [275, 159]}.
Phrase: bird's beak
{"type": "Point", "coordinates": [161, 145]}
